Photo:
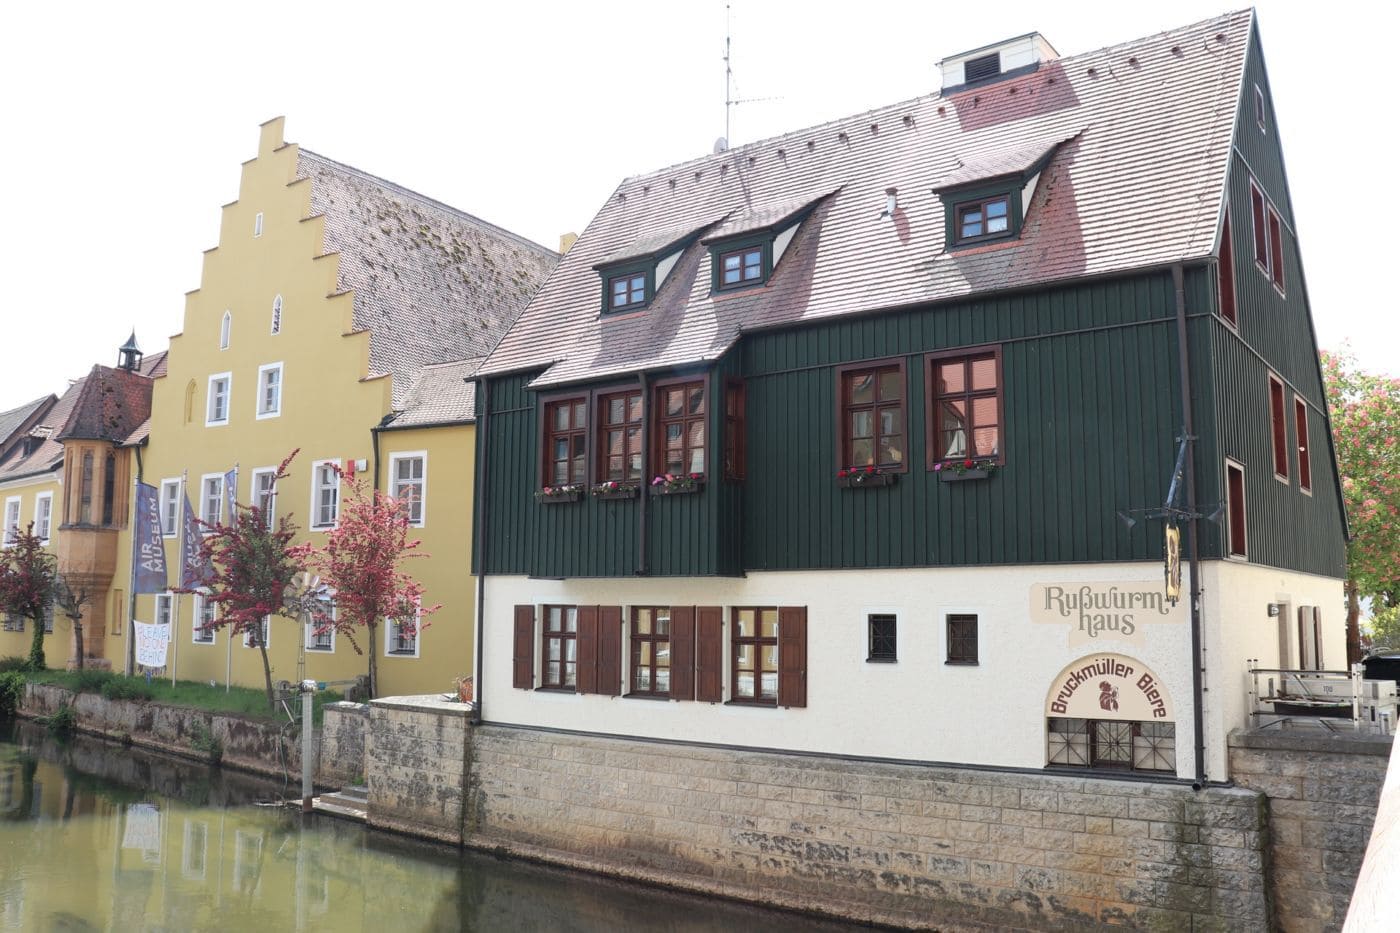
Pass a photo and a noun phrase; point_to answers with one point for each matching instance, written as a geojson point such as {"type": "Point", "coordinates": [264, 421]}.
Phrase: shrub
{"type": "Point", "coordinates": [13, 664]}
{"type": "Point", "coordinates": [204, 742]}
{"type": "Point", "coordinates": [63, 722]}
{"type": "Point", "coordinates": [126, 688]}
{"type": "Point", "coordinates": [11, 692]}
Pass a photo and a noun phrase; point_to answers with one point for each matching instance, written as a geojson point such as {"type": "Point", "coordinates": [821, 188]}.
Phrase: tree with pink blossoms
{"type": "Point", "coordinates": [1365, 410]}
{"type": "Point", "coordinates": [27, 573]}
{"type": "Point", "coordinates": [359, 568]}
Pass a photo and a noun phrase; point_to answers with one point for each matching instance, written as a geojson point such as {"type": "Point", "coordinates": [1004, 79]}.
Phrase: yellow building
{"type": "Point", "coordinates": [338, 316]}
{"type": "Point", "coordinates": [66, 471]}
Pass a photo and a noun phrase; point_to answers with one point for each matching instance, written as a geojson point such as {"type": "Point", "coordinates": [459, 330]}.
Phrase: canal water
{"type": "Point", "coordinates": [95, 836]}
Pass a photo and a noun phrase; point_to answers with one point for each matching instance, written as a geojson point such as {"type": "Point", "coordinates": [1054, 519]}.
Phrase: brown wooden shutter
{"type": "Point", "coordinates": [609, 650]}
{"type": "Point", "coordinates": [709, 654]}
{"type": "Point", "coordinates": [586, 651]}
{"type": "Point", "coordinates": [682, 652]}
{"type": "Point", "coordinates": [524, 655]}
{"type": "Point", "coordinates": [792, 656]}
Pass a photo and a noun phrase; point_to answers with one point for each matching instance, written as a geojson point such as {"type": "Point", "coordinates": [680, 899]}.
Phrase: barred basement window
{"type": "Point", "coordinates": [962, 639]}
{"type": "Point", "coordinates": [1068, 743]}
{"type": "Point", "coordinates": [882, 637]}
{"type": "Point", "coordinates": [1111, 745]}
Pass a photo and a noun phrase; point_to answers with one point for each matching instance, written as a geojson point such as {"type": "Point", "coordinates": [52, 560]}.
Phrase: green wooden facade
{"type": "Point", "coordinates": [1092, 413]}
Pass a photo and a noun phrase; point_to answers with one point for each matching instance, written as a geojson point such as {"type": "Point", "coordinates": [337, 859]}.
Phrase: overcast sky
{"type": "Point", "coordinates": [126, 123]}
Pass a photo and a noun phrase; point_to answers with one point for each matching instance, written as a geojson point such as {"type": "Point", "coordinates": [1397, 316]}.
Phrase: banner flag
{"type": "Point", "coordinates": [150, 542]}
{"type": "Point", "coordinates": [151, 643]}
{"type": "Point", "coordinates": [231, 498]}
{"type": "Point", "coordinates": [193, 571]}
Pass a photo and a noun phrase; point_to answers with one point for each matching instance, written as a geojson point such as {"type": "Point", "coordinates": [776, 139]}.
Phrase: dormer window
{"type": "Point", "coordinates": [627, 291]}
{"type": "Point", "coordinates": [741, 267]}
{"type": "Point", "coordinates": [984, 219]}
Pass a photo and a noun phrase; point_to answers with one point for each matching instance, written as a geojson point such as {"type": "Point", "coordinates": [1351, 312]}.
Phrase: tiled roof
{"type": "Point", "coordinates": [14, 419]}
{"type": "Point", "coordinates": [139, 435]}
{"type": "Point", "coordinates": [153, 366]}
{"type": "Point", "coordinates": [49, 452]}
{"type": "Point", "coordinates": [764, 217]}
{"type": "Point", "coordinates": [998, 164]}
{"type": "Point", "coordinates": [1138, 182]}
{"type": "Point", "coordinates": [110, 405]}
{"type": "Point", "coordinates": [659, 243]}
{"type": "Point", "coordinates": [432, 284]}
{"type": "Point", "coordinates": [440, 395]}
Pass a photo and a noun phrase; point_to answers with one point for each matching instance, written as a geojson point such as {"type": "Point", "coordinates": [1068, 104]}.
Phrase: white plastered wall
{"type": "Point", "coordinates": [918, 708]}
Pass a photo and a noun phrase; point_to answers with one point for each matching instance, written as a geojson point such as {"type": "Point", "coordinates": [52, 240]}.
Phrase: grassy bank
{"type": "Point", "coordinates": [244, 701]}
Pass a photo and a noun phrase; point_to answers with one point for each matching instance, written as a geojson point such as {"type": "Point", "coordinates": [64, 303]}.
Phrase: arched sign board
{"type": "Point", "coordinates": [1109, 686]}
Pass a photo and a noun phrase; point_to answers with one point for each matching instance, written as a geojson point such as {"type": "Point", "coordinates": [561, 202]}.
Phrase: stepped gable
{"type": "Point", "coordinates": [432, 284]}
{"type": "Point", "coordinates": [1139, 135]}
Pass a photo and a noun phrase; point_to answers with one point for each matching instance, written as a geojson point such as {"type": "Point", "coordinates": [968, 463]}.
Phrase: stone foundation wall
{"type": "Point", "coordinates": [1322, 795]}
{"type": "Point", "coordinates": [342, 750]}
{"type": "Point", "coordinates": [901, 844]}
{"type": "Point", "coordinates": [249, 744]}
{"type": "Point", "coordinates": [416, 765]}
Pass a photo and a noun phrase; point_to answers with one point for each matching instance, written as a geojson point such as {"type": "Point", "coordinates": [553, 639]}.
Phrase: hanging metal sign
{"type": "Point", "coordinates": [1172, 569]}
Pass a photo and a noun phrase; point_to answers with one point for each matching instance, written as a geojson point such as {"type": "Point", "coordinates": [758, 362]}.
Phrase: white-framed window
{"type": "Point", "coordinates": [408, 483]}
{"type": "Point", "coordinates": [269, 390]}
{"type": "Point", "coordinates": [225, 329]}
{"type": "Point", "coordinates": [211, 498]}
{"type": "Point", "coordinates": [170, 507]}
{"type": "Point", "coordinates": [164, 601]}
{"type": "Point", "coordinates": [401, 636]}
{"type": "Point", "coordinates": [321, 641]}
{"type": "Point", "coordinates": [220, 388]}
{"type": "Point", "coordinates": [11, 526]}
{"type": "Point", "coordinates": [257, 224]}
{"type": "Point", "coordinates": [265, 493]}
{"type": "Point", "coordinates": [205, 612]}
{"type": "Point", "coordinates": [259, 636]}
{"type": "Point", "coordinates": [325, 494]}
{"type": "Point", "coordinates": [276, 315]}
{"type": "Point", "coordinates": [43, 515]}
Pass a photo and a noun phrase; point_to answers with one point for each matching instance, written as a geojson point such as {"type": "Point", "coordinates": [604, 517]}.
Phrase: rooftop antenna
{"type": "Point", "coordinates": [730, 101]}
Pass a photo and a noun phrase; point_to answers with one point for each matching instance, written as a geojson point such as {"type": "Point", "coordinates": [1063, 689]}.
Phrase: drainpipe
{"type": "Point", "coordinates": [1188, 425]}
{"type": "Point", "coordinates": [483, 387]}
{"type": "Point", "coordinates": [642, 489]}
{"type": "Point", "coordinates": [374, 443]}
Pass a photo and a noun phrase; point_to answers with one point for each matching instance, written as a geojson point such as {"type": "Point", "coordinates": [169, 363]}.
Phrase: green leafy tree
{"type": "Point", "coordinates": [1365, 410]}
{"type": "Point", "coordinates": [1385, 628]}
{"type": "Point", "coordinates": [27, 573]}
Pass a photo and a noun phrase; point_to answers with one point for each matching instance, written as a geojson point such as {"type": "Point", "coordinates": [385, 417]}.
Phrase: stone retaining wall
{"type": "Point", "coordinates": [901, 844]}
{"type": "Point", "coordinates": [249, 744]}
{"type": "Point", "coordinates": [342, 755]}
{"type": "Point", "coordinates": [1322, 794]}
{"type": "Point", "coordinates": [416, 764]}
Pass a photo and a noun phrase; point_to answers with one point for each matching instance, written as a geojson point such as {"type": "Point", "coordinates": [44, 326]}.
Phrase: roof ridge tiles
{"type": "Point", "coordinates": [418, 195]}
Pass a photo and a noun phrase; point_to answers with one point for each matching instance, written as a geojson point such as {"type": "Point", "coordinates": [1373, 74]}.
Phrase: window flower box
{"type": "Point", "coordinates": [677, 484]}
{"type": "Point", "coordinates": [552, 494]}
{"type": "Point", "coordinates": [614, 490]}
{"type": "Point", "coordinates": [954, 471]}
{"type": "Point", "coordinates": [864, 476]}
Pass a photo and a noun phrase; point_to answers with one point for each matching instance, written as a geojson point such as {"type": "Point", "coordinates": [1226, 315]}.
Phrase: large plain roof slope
{"type": "Point", "coordinates": [1137, 180]}
{"type": "Point", "coordinates": [432, 284]}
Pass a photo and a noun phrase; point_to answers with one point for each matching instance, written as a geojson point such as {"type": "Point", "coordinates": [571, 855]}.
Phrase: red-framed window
{"type": "Point", "coordinates": [680, 426]}
{"type": "Point", "coordinates": [1261, 229]}
{"type": "Point", "coordinates": [1227, 273]}
{"type": "Point", "coordinates": [565, 441]}
{"type": "Point", "coordinates": [1300, 421]}
{"type": "Point", "coordinates": [965, 405]}
{"type": "Point", "coordinates": [1278, 427]}
{"type": "Point", "coordinates": [871, 415]}
{"type": "Point", "coordinates": [1236, 534]}
{"type": "Point", "coordinates": [1275, 249]}
{"type": "Point", "coordinates": [741, 267]}
{"type": "Point", "coordinates": [560, 654]}
{"type": "Point", "coordinates": [620, 436]}
{"type": "Point", "coordinates": [651, 651]}
{"type": "Point", "coordinates": [754, 655]}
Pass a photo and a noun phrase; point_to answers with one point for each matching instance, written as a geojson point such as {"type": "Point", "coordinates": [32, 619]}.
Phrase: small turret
{"type": "Point", "coordinates": [129, 356]}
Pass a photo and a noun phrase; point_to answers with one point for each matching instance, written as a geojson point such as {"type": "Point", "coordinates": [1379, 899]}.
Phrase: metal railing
{"type": "Point", "coordinates": [1328, 699]}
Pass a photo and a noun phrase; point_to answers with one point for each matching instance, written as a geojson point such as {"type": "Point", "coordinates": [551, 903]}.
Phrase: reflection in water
{"type": "Point", "coordinates": [98, 837]}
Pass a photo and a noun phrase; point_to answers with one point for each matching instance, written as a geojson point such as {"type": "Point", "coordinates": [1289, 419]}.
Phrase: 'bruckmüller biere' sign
{"type": "Point", "coordinates": [1098, 611]}
{"type": "Point", "coordinates": [1109, 686]}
